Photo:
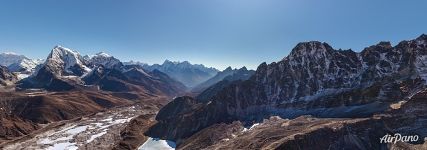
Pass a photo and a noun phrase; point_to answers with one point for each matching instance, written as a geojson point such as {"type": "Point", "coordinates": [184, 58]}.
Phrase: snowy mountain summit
{"type": "Point", "coordinates": [105, 60]}
{"type": "Point", "coordinates": [64, 61]}
{"type": "Point", "coordinates": [19, 63]}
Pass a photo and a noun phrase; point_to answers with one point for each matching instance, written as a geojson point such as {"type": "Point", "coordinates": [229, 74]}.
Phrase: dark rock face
{"type": "Point", "coordinates": [240, 74]}
{"type": "Point", "coordinates": [133, 135]}
{"type": "Point", "coordinates": [207, 94]}
{"type": "Point", "coordinates": [46, 79]}
{"type": "Point", "coordinates": [183, 113]}
{"type": "Point", "coordinates": [314, 79]}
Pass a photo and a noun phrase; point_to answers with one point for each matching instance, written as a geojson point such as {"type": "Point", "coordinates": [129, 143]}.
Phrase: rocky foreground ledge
{"type": "Point", "coordinates": [307, 132]}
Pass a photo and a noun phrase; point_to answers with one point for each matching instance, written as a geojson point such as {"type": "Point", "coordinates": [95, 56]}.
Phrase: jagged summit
{"type": "Point", "coordinates": [310, 49]}
{"type": "Point", "coordinates": [64, 61]}
{"type": "Point", "coordinates": [422, 37]}
{"type": "Point", "coordinates": [167, 61]}
{"type": "Point", "coordinates": [385, 44]}
{"type": "Point", "coordinates": [58, 49]}
{"type": "Point", "coordinates": [185, 72]}
{"type": "Point", "coordinates": [227, 75]}
{"type": "Point", "coordinates": [106, 60]}
{"type": "Point", "coordinates": [243, 68]}
{"type": "Point", "coordinates": [103, 54]}
{"type": "Point", "coordinates": [228, 68]}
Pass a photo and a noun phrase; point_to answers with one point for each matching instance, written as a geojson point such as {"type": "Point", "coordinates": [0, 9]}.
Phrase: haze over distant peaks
{"type": "Point", "coordinates": [189, 74]}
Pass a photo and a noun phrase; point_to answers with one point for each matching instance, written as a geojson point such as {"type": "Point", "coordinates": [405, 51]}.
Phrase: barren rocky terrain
{"type": "Point", "coordinates": [98, 131]}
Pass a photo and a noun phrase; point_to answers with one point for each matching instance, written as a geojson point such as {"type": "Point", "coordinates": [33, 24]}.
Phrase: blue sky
{"type": "Point", "coordinates": [216, 33]}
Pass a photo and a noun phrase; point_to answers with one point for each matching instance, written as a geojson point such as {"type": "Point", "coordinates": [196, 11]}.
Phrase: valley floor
{"type": "Point", "coordinates": [98, 131]}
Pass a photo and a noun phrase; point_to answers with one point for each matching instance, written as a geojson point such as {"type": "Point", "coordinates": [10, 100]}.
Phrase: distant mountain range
{"type": "Point", "coordinates": [19, 63]}
{"type": "Point", "coordinates": [66, 69]}
{"type": "Point", "coordinates": [189, 74]}
{"type": "Point", "coordinates": [66, 64]}
{"type": "Point", "coordinates": [224, 74]}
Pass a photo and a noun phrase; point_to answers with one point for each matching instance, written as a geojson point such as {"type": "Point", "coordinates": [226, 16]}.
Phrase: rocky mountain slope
{"type": "Point", "coordinates": [188, 74]}
{"type": "Point", "coordinates": [314, 79]}
{"type": "Point", "coordinates": [6, 77]}
{"type": "Point", "coordinates": [307, 132]}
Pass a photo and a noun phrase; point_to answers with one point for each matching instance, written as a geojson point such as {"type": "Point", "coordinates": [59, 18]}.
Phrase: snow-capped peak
{"type": "Point", "coordinates": [9, 58]}
{"type": "Point", "coordinates": [65, 60]}
{"type": "Point", "coordinates": [64, 50]}
{"type": "Point", "coordinates": [105, 60]}
{"type": "Point", "coordinates": [311, 48]}
{"type": "Point", "coordinates": [25, 66]}
{"type": "Point", "coordinates": [103, 54]}
{"type": "Point", "coordinates": [10, 53]}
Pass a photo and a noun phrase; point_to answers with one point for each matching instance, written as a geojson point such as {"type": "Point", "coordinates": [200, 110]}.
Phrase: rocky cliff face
{"type": "Point", "coordinates": [6, 77]}
{"type": "Point", "coordinates": [314, 79]}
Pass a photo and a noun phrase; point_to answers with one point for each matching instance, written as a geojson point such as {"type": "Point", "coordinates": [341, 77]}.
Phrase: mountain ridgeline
{"type": "Point", "coordinates": [189, 74]}
{"type": "Point", "coordinates": [65, 70]}
{"type": "Point", "coordinates": [314, 79]}
{"type": "Point", "coordinates": [222, 79]}
{"type": "Point", "coordinates": [231, 74]}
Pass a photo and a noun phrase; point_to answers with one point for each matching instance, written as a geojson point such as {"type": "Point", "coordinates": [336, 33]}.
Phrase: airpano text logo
{"type": "Point", "coordinates": [398, 138]}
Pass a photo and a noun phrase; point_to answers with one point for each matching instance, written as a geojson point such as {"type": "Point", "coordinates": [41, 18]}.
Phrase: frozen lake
{"type": "Point", "coordinates": [157, 144]}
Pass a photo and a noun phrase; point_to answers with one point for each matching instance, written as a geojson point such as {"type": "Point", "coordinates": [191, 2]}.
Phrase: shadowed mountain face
{"type": "Point", "coordinates": [229, 73]}
{"type": "Point", "coordinates": [221, 80]}
{"type": "Point", "coordinates": [188, 74]}
{"type": "Point", "coordinates": [133, 79]}
{"type": "Point", "coordinates": [314, 80]}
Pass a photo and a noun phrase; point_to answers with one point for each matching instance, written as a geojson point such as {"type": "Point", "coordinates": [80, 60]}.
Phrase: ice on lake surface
{"type": "Point", "coordinates": [157, 144]}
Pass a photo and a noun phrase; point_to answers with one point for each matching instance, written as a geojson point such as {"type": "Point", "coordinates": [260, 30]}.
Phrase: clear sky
{"type": "Point", "coordinates": [216, 33]}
